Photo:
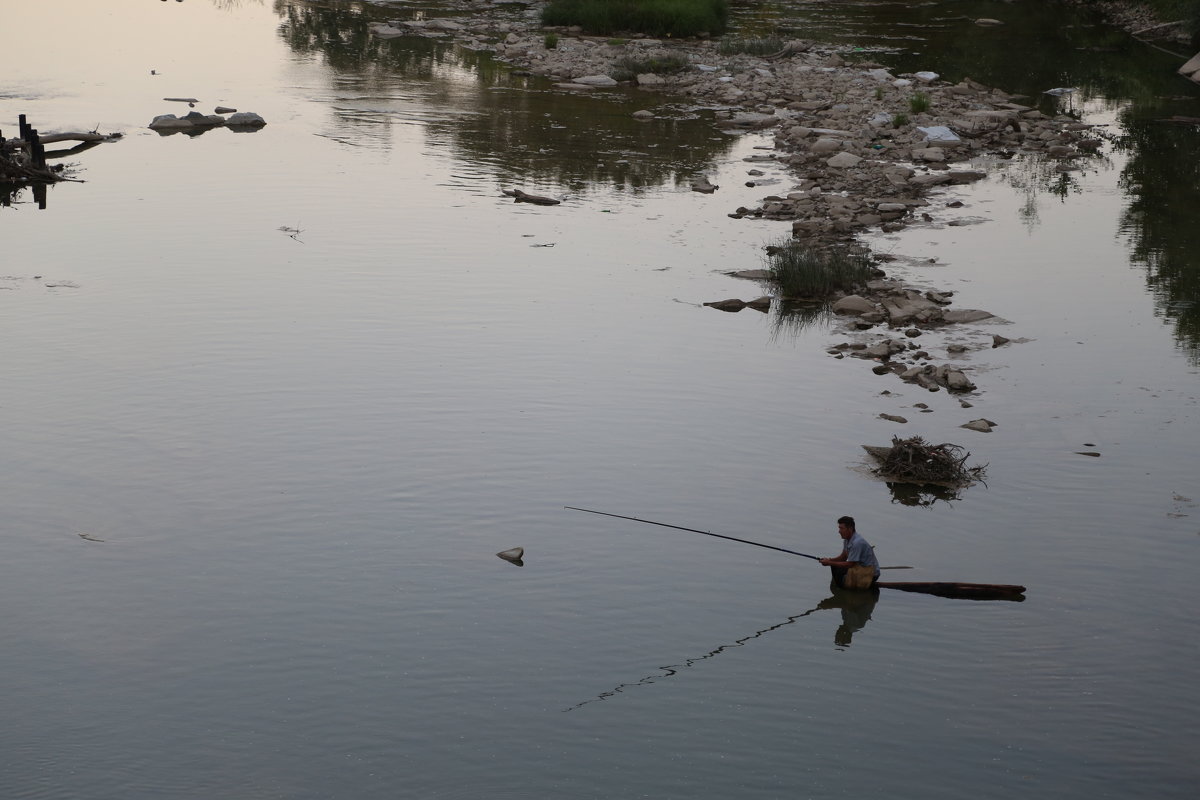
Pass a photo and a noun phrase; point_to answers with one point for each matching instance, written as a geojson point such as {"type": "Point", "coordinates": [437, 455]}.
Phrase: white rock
{"type": "Point", "coordinates": [595, 80]}
{"type": "Point", "coordinates": [643, 114]}
{"type": "Point", "coordinates": [926, 76]}
{"type": "Point", "coordinates": [1191, 67]}
{"type": "Point", "coordinates": [385, 31]}
{"type": "Point", "coordinates": [649, 79]}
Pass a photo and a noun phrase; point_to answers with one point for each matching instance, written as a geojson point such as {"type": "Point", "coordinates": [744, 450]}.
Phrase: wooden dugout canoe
{"type": "Point", "coordinates": [966, 591]}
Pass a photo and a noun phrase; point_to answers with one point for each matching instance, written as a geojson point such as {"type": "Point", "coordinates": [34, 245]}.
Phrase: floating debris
{"type": "Point", "coordinates": [914, 460]}
{"type": "Point", "coordinates": [513, 556]}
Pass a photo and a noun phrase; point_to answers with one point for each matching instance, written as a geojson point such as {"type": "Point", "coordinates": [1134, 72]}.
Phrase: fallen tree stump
{"type": "Point", "coordinates": [536, 199]}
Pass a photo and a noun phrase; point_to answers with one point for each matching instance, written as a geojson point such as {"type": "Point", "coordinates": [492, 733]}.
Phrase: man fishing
{"type": "Point", "coordinates": [856, 566]}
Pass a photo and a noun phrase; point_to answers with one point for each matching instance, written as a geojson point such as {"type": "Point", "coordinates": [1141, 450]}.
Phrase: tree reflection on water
{"type": "Point", "coordinates": [495, 119]}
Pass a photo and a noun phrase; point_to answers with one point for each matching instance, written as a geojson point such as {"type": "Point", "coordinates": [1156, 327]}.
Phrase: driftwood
{"type": "Point", "coordinates": [77, 136]}
{"type": "Point", "coordinates": [916, 461]}
{"type": "Point", "coordinates": [522, 197]}
{"type": "Point", "coordinates": [23, 159]}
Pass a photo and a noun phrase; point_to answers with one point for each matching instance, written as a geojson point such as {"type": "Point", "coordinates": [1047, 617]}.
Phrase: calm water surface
{"type": "Point", "coordinates": [301, 451]}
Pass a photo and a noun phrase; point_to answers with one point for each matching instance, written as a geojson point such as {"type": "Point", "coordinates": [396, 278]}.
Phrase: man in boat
{"type": "Point", "coordinates": [856, 566]}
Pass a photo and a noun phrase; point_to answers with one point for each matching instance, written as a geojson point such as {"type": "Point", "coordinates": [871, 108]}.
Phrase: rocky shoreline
{"type": "Point", "coordinates": [864, 148]}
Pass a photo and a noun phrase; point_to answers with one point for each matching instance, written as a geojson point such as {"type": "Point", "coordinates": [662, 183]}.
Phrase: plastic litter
{"type": "Point", "coordinates": [939, 133]}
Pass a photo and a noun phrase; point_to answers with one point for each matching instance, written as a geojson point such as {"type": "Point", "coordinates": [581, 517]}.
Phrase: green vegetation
{"type": "Point", "coordinates": [677, 18]}
{"type": "Point", "coordinates": [627, 68]}
{"type": "Point", "coordinates": [900, 120]}
{"type": "Point", "coordinates": [753, 47]}
{"type": "Point", "coordinates": [802, 271]}
{"type": "Point", "coordinates": [918, 103]}
{"type": "Point", "coordinates": [879, 93]}
{"type": "Point", "coordinates": [550, 40]}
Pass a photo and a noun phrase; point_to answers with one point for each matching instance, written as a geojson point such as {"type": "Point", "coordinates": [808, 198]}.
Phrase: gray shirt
{"type": "Point", "coordinates": [859, 551]}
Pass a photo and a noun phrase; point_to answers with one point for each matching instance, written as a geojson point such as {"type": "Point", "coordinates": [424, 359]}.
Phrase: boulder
{"type": "Point", "coordinates": [166, 122]}
{"type": "Point", "coordinates": [981, 425]}
{"type": "Point", "coordinates": [843, 160]}
{"type": "Point", "coordinates": [594, 80]}
{"type": "Point", "coordinates": [966, 315]}
{"type": "Point", "coordinates": [929, 154]}
{"type": "Point", "coordinates": [854, 305]}
{"type": "Point", "coordinates": [246, 119]}
{"type": "Point", "coordinates": [826, 144]}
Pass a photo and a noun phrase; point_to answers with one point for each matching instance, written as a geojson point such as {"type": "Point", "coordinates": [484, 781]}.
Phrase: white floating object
{"type": "Point", "coordinates": [1059, 92]}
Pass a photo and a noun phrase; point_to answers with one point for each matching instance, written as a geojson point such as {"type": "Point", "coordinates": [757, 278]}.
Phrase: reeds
{"type": "Point", "coordinates": [804, 272]}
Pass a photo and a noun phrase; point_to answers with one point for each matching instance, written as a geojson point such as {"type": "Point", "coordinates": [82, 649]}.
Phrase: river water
{"type": "Point", "coordinates": [300, 451]}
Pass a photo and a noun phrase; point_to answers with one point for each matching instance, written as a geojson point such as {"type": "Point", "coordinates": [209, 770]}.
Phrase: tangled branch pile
{"type": "Point", "coordinates": [916, 461]}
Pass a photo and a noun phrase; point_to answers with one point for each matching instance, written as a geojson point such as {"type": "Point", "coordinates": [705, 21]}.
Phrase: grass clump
{"type": "Point", "coordinates": [753, 47]}
{"type": "Point", "coordinates": [627, 68]}
{"type": "Point", "coordinates": [918, 103]}
{"type": "Point", "coordinates": [550, 40]}
{"type": "Point", "coordinates": [807, 272]}
{"type": "Point", "coordinates": [652, 17]}
{"type": "Point", "coordinates": [900, 120]}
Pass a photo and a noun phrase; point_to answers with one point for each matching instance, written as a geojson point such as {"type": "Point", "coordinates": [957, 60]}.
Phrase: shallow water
{"type": "Point", "coordinates": [301, 451]}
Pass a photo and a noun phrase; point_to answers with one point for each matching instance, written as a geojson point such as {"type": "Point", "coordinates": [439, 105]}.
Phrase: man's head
{"type": "Point", "coordinates": [846, 527]}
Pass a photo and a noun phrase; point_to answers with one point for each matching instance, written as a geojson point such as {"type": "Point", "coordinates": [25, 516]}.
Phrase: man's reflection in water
{"type": "Point", "coordinates": [856, 606]}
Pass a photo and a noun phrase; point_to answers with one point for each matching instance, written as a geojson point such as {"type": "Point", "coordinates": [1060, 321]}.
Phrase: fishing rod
{"type": "Point", "coordinates": [693, 530]}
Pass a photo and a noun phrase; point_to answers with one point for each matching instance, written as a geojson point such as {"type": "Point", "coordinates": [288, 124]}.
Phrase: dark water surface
{"type": "Point", "coordinates": [302, 451]}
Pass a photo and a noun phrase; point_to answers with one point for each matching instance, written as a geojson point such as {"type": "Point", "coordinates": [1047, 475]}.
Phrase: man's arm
{"type": "Point", "coordinates": [838, 561]}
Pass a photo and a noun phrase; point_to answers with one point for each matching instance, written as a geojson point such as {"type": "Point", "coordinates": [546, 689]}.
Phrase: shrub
{"type": "Point", "coordinates": [627, 68]}
{"type": "Point", "coordinates": [918, 103]}
{"type": "Point", "coordinates": [802, 271]}
{"type": "Point", "coordinates": [652, 17]}
{"type": "Point", "coordinates": [753, 47]}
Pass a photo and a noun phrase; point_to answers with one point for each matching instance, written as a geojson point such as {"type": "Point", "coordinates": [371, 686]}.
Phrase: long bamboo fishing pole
{"type": "Point", "coordinates": [693, 530]}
